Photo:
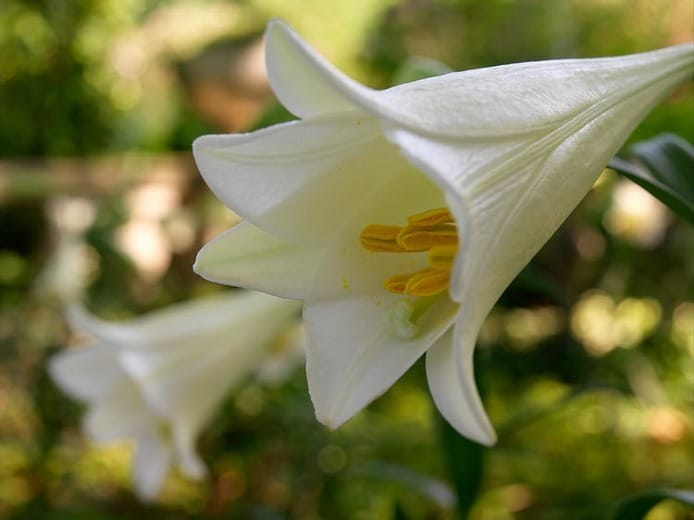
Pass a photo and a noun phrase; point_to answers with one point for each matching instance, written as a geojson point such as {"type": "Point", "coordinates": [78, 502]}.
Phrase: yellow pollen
{"type": "Point", "coordinates": [397, 283]}
{"type": "Point", "coordinates": [433, 231]}
{"type": "Point", "coordinates": [422, 239]}
{"type": "Point", "coordinates": [427, 282]}
{"type": "Point", "coordinates": [431, 217]}
{"type": "Point", "coordinates": [381, 239]}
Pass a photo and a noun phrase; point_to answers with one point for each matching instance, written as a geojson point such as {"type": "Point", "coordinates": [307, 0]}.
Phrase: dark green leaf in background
{"type": "Point", "coordinates": [637, 506]}
{"type": "Point", "coordinates": [664, 166]}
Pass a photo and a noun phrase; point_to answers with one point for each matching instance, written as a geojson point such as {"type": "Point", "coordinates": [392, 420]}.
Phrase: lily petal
{"type": "Point", "coordinates": [123, 414]}
{"type": "Point", "coordinates": [207, 321]}
{"type": "Point", "coordinates": [534, 96]}
{"type": "Point", "coordinates": [454, 393]}
{"type": "Point", "coordinates": [306, 158]}
{"type": "Point", "coordinates": [189, 461]}
{"type": "Point", "coordinates": [104, 332]}
{"type": "Point", "coordinates": [347, 366]}
{"type": "Point", "coordinates": [246, 256]}
{"type": "Point", "coordinates": [333, 172]}
{"type": "Point", "coordinates": [185, 380]}
{"type": "Point", "coordinates": [150, 466]}
{"type": "Point", "coordinates": [304, 82]}
{"type": "Point", "coordinates": [87, 374]}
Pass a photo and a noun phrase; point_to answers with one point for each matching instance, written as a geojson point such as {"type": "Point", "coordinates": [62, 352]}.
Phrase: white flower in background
{"type": "Point", "coordinates": [158, 379]}
{"type": "Point", "coordinates": [288, 352]}
{"type": "Point", "coordinates": [400, 216]}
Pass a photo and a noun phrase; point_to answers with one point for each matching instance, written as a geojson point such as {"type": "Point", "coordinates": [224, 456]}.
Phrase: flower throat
{"type": "Point", "coordinates": [433, 231]}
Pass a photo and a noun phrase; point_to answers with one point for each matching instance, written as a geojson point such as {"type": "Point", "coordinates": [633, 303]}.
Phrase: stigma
{"type": "Point", "coordinates": [433, 231]}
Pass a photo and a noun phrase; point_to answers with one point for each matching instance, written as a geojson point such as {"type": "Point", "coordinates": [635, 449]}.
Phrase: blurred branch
{"type": "Point", "coordinates": [98, 176]}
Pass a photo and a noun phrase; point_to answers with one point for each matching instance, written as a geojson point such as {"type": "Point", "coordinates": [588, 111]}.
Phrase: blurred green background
{"type": "Point", "coordinates": [587, 362]}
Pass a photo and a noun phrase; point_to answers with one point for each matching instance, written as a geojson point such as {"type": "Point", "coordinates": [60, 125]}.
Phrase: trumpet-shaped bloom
{"type": "Point", "coordinates": [400, 216]}
{"type": "Point", "coordinates": [158, 379]}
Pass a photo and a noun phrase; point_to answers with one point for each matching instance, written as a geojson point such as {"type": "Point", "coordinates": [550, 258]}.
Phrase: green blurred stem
{"type": "Point", "coordinates": [464, 458]}
{"type": "Point", "coordinates": [465, 461]}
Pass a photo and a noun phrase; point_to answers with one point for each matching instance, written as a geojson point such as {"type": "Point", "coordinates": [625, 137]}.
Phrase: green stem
{"type": "Point", "coordinates": [465, 460]}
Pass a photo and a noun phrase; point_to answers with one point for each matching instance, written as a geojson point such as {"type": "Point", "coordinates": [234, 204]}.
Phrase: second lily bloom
{"type": "Point", "coordinates": [159, 379]}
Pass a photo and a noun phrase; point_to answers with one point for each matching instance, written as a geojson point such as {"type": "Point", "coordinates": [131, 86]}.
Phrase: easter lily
{"type": "Point", "coordinates": [400, 216]}
{"type": "Point", "coordinates": [158, 379]}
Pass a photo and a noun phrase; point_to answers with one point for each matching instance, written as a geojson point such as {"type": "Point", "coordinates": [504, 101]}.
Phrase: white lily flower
{"type": "Point", "coordinates": [158, 379]}
{"type": "Point", "coordinates": [400, 216]}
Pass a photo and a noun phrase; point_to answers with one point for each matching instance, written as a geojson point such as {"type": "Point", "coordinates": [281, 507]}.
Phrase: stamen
{"type": "Point", "coordinates": [433, 231]}
{"type": "Point", "coordinates": [431, 217]}
{"type": "Point", "coordinates": [396, 284]}
{"type": "Point", "coordinates": [413, 238]}
{"type": "Point", "coordinates": [442, 257]}
{"type": "Point", "coordinates": [381, 239]}
{"type": "Point", "coordinates": [427, 282]}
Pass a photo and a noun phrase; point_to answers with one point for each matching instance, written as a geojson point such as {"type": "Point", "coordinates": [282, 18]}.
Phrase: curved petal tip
{"type": "Point", "coordinates": [304, 82]}
{"type": "Point", "coordinates": [456, 397]}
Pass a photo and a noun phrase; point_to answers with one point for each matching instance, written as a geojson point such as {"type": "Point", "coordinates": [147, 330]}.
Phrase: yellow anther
{"type": "Point", "coordinates": [413, 238]}
{"type": "Point", "coordinates": [431, 217]}
{"type": "Point", "coordinates": [433, 231]}
{"type": "Point", "coordinates": [442, 257]}
{"type": "Point", "coordinates": [381, 239]}
{"type": "Point", "coordinates": [427, 282]}
{"type": "Point", "coordinates": [396, 284]}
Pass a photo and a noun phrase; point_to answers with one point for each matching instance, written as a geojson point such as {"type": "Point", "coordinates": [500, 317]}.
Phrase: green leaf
{"type": "Point", "coordinates": [637, 506]}
{"type": "Point", "coordinates": [664, 166]}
